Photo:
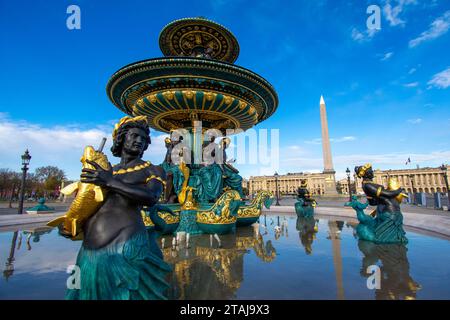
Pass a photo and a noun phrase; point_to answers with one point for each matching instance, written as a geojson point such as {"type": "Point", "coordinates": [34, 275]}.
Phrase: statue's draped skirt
{"type": "Point", "coordinates": [387, 227]}
{"type": "Point", "coordinates": [233, 180]}
{"type": "Point", "coordinates": [209, 184]}
{"type": "Point", "coordinates": [133, 270]}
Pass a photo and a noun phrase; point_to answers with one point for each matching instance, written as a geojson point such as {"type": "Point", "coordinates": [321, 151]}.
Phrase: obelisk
{"type": "Point", "coordinates": [330, 179]}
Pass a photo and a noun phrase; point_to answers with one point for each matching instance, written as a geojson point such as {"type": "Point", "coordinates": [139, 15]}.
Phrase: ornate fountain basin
{"type": "Point", "coordinates": [171, 91]}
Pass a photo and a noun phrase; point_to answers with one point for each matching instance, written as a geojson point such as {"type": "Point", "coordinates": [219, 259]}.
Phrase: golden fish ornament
{"type": "Point", "coordinates": [89, 197]}
{"type": "Point", "coordinates": [394, 185]}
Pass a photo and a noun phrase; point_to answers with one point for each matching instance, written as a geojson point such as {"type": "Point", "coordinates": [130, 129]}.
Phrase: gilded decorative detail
{"type": "Point", "coordinates": [146, 219]}
{"type": "Point", "coordinates": [185, 197]}
{"type": "Point", "coordinates": [133, 169]}
{"type": "Point", "coordinates": [153, 177]}
{"type": "Point", "coordinates": [220, 212]}
{"type": "Point", "coordinates": [184, 37]}
{"type": "Point", "coordinates": [167, 217]}
{"type": "Point", "coordinates": [254, 209]}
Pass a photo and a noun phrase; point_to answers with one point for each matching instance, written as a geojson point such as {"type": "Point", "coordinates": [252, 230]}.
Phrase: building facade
{"type": "Point", "coordinates": [289, 183]}
{"type": "Point", "coordinates": [343, 188]}
{"type": "Point", "coordinates": [428, 180]}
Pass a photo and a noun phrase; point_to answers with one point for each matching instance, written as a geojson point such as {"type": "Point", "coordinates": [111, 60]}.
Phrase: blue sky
{"type": "Point", "coordinates": [387, 92]}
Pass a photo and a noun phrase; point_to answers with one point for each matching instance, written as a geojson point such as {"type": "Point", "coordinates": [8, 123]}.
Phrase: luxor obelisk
{"type": "Point", "coordinates": [328, 170]}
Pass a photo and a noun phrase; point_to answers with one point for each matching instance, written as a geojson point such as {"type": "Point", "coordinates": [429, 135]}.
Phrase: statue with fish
{"type": "Point", "coordinates": [118, 258]}
{"type": "Point", "coordinates": [385, 223]}
{"type": "Point", "coordinates": [304, 207]}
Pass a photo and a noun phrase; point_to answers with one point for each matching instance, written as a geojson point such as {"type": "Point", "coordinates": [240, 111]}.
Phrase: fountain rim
{"type": "Point", "coordinates": [116, 77]}
{"type": "Point", "coordinates": [191, 59]}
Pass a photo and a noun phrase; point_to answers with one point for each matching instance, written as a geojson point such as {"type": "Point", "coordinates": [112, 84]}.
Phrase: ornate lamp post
{"type": "Point", "coordinates": [276, 189]}
{"type": "Point", "coordinates": [25, 162]}
{"type": "Point", "coordinates": [444, 170]}
{"type": "Point", "coordinates": [349, 185]}
{"type": "Point", "coordinates": [411, 177]}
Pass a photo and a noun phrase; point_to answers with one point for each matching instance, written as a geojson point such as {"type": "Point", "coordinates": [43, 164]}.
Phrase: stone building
{"type": "Point", "coordinates": [289, 183]}
{"type": "Point", "coordinates": [342, 186]}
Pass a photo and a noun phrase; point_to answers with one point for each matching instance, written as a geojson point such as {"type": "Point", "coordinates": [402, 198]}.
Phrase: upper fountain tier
{"type": "Point", "coordinates": [197, 80]}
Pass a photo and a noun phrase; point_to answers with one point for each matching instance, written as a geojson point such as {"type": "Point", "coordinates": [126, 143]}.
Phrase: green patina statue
{"type": "Point", "coordinates": [304, 207]}
{"type": "Point", "coordinates": [385, 224]}
{"type": "Point", "coordinates": [307, 228]}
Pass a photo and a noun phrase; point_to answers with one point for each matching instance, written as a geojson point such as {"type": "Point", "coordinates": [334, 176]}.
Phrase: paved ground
{"type": "Point", "coordinates": [5, 210]}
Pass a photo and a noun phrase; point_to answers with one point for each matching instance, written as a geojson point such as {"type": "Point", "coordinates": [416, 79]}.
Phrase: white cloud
{"type": "Point", "coordinates": [440, 80]}
{"type": "Point", "coordinates": [412, 70]}
{"type": "Point", "coordinates": [61, 146]}
{"type": "Point", "coordinates": [335, 140]}
{"type": "Point", "coordinates": [437, 28]}
{"type": "Point", "coordinates": [360, 37]}
{"type": "Point", "coordinates": [386, 56]}
{"type": "Point", "coordinates": [392, 12]}
{"type": "Point", "coordinates": [411, 84]}
{"type": "Point", "coordinates": [415, 121]}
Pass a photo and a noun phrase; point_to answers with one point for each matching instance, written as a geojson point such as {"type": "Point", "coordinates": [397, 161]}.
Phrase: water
{"type": "Point", "coordinates": [290, 264]}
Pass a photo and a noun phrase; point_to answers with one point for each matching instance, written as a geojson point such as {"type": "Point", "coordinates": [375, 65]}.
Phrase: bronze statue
{"type": "Point", "coordinates": [385, 224]}
{"type": "Point", "coordinates": [304, 207]}
{"type": "Point", "coordinates": [118, 259]}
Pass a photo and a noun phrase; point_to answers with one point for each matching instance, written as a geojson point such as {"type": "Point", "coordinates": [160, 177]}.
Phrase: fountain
{"type": "Point", "coordinates": [198, 95]}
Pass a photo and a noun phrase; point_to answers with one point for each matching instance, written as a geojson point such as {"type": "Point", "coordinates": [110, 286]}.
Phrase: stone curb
{"type": "Point", "coordinates": [20, 219]}
{"type": "Point", "coordinates": [422, 222]}
{"type": "Point", "coordinates": [429, 223]}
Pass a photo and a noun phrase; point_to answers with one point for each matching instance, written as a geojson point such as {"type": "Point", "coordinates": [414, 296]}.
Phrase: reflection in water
{"type": "Point", "coordinates": [334, 233]}
{"type": "Point", "coordinates": [307, 230]}
{"type": "Point", "coordinates": [212, 267]}
{"type": "Point", "coordinates": [35, 233]}
{"type": "Point", "coordinates": [396, 283]}
{"type": "Point", "coordinates": [9, 267]}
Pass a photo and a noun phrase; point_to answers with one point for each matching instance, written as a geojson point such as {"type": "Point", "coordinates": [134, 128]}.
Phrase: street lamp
{"type": "Point", "coordinates": [25, 162]}
{"type": "Point", "coordinates": [276, 189]}
{"type": "Point", "coordinates": [349, 185]}
{"type": "Point", "coordinates": [411, 177]}
{"type": "Point", "coordinates": [444, 170]}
